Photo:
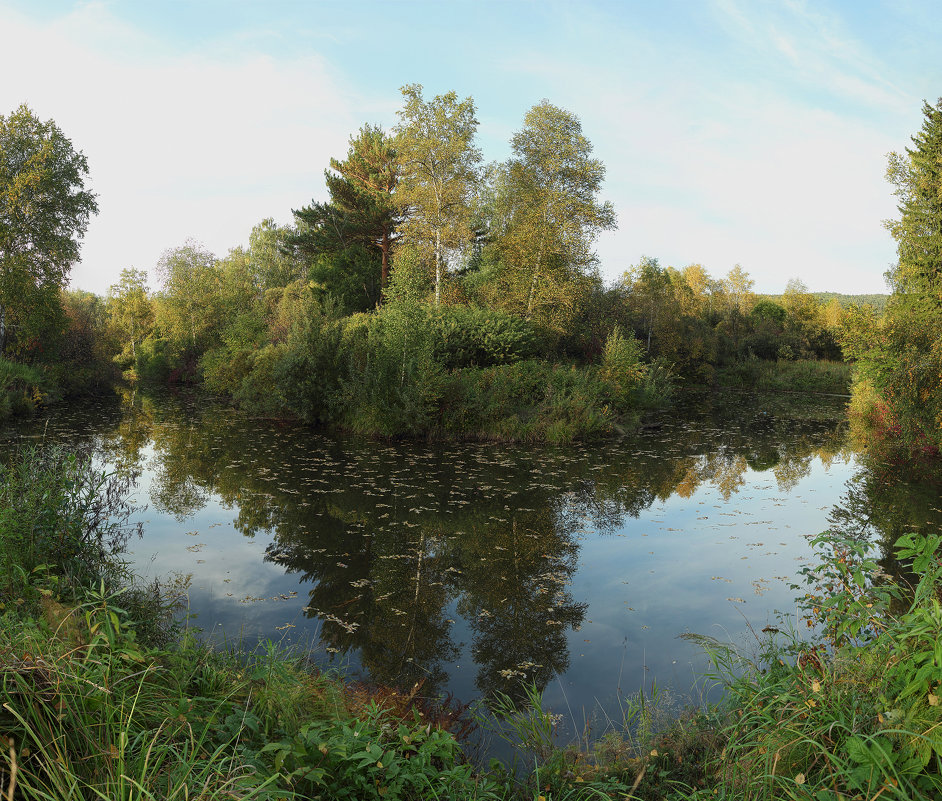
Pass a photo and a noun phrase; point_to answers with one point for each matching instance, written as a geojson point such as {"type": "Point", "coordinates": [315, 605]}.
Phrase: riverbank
{"type": "Point", "coordinates": [100, 691]}
{"type": "Point", "coordinates": [529, 401]}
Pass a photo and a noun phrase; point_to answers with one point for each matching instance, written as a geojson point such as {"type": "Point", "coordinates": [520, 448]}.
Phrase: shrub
{"type": "Point", "coordinates": [622, 366]}
{"type": "Point", "coordinates": [788, 375]}
{"type": "Point", "coordinates": [260, 391]}
{"type": "Point", "coordinates": [62, 518]}
{"type": "Point", "coordinates": [470, 336]}
{"type": "Point", "coordinates": [21, 388]}
{"type": "Point", "coordinates": [394, 383]}
{"type": "Point", "coordinates": [855, 711]}
{"type": "Point", "coordinates": [530, 401]}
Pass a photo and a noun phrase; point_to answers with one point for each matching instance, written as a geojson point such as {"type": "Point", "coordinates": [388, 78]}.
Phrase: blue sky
{"type": "Point", "coordinates": [733, 131]}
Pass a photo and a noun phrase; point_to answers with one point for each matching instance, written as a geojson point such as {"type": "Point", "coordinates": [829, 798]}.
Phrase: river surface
{"type": "Point", "coordinates": [472, 568]}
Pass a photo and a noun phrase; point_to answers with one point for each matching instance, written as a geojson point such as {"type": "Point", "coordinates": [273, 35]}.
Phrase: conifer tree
{"type": "Point", "coordinates": [356, 230]}
{"type": "Point", "coordinates": [902, 358]}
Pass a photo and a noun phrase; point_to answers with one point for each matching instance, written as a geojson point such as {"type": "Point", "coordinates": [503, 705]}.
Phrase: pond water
{"type": "Point", "coordinates": [471, 568]}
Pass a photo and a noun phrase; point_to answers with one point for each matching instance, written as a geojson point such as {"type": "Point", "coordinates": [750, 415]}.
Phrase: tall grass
{"type": "Point", "coordinates": [787, 376]}
{"type": "Point", "coordinates": [22, 388]}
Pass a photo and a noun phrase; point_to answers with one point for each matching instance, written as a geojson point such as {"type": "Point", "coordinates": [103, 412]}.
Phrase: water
{"type": "Point", "coordinates": [471, 568]}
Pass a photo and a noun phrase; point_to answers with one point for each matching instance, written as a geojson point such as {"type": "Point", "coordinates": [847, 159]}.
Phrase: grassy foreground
{"type": "Point", "coordinates": [102, 697]}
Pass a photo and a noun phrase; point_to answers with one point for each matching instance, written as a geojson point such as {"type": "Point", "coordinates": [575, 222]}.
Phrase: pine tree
{"type": "Point", "coordinates": [902, 358]}
{"type": "Point", "coordinates": [917, 176]}
{"type": "Point", "coordinates": [359, 223]}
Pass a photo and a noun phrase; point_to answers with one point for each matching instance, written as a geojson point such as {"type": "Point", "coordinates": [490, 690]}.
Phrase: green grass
{"type": "Point", "coordinates": [787, 376]}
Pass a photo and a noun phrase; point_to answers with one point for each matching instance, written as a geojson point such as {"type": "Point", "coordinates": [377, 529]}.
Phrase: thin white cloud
{"type": "Point", "coordinates": [761, 141]}
{"type": "Point", "coordinates": [817, 48]}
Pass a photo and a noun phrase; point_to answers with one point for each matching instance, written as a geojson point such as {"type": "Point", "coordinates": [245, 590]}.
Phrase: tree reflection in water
{"type": "Point", "coordinates": [399, 543]}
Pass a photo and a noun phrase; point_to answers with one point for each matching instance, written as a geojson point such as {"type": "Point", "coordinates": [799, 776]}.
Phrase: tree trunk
{"type": "Point", "coordinates": [536, 274]}
{"type": "Point", "coordinates": [384, 273]}
{"type": "Point", "coordinates": [3, 328]}
{"type": "Point", "coordinates": [438, 266]}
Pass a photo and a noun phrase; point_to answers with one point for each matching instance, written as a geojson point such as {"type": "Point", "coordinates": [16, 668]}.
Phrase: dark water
{"type": "Point", "coordinates": [473, 567]}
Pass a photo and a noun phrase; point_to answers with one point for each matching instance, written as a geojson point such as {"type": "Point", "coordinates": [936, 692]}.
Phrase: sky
{"type": "Point", "coordinates": [733, 131]}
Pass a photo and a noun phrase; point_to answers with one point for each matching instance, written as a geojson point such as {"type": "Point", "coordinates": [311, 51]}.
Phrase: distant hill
{"type": "Point", "coordinates": [877, 301]}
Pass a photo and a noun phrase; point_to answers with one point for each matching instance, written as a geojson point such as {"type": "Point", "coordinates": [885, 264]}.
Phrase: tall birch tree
{"type": "Point", "coordinates": [440, 171]}
{"type": "Point", "coordinates": [548, 211]}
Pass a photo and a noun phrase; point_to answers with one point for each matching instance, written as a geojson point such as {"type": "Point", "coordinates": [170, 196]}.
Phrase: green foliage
{"type": "Point", "coordinates": [22, 388]}
{"type": "Point", "coordinates": [470, 336]}
{"type": "Point", "coordinates": [372, 757]}
{"type": "Point", "coordinates": [350, 275]}
{"type": "Point", "coordinates": [413, 276]}
{"type": "Point", "coordinates": [314, 368]}
{"type": "Point", "coordinates": [260, 391]}
{"type": "Point", "coordinates": [857, 709]}
{"type": "Point", "coordinates": [621, 364]}
{"type": "Point", "coordinates": [84, 363]}
{"type": "Point", "coordinates": [188, 311]}
{"type": "Point", "coordinates": [876, 302]}
{"type": "Point", "coordinates": [59, 517]}
{"type": "Point", "coordinates": [525, 724]}
{"type": "Point", "coordinates": [349, 241]}
{"type": "Point", "coordinates": [44, 212]}
{"type": "Point", "coordinates": [787, 376]}
{"type": "Point", "coordinates": [529, 401]}
{"type": "Point", "coordinates": [546, 216]}
{"type": "Point", "coordinates": [900, 356]}
{"type": "Point", "coordinates": [131, 314]}
{"type": "Point", "coordinates": [438, 161]}
{"type": "Point", "coordinates": [769, 310]}
{"type": "Point", "coordinates": [394, 382]}
{"type": "Point", "coordinates": [153, 362]}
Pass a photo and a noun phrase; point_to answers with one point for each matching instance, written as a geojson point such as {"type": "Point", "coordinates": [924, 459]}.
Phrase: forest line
{"type": "Point", "coordinates": [432, 295]}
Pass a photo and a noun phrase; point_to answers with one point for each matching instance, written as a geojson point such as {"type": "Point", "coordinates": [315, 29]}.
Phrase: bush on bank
{"type": "Point", "coordinates": [410, 370]}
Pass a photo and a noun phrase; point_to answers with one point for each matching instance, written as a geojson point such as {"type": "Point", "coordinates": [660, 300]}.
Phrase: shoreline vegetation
{"type": "Point", "coordinates": [429, 297]}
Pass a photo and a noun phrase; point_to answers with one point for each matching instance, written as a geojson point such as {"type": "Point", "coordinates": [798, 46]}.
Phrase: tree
{"type": "Point", "coordinates": [738, 286]}
{"type": "Point", "coordinates": [548, 212]}
{"type": "Point", "coordinates": [917, 178]}
{"type": "Point", "coordinates": [361, 216]}
{"type": "Point", "coordinates": [363, 187]}
{"type": "Point", "coordinates": [269, 258]}
{"type": "Point", "coordinates": [648, 290]}
{"type": "Point", "coordinates": [44, 210]}
{"type": "Point", "coordinates": [903, 361]}
{"type": "Point", "coordinates": [131, 311]}
{"type": "Point", "coordinates": [439, 163]}
{"type": "Point", "coordinates": [188, 308]}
